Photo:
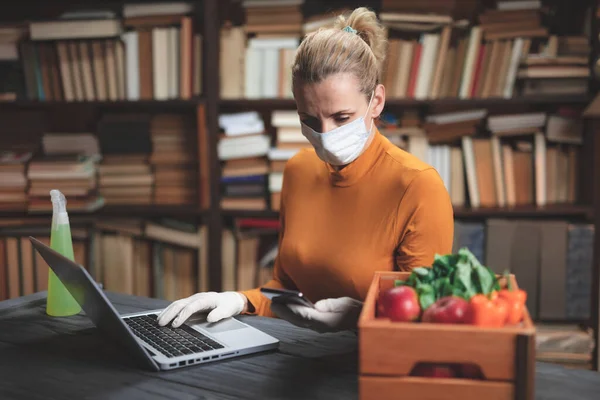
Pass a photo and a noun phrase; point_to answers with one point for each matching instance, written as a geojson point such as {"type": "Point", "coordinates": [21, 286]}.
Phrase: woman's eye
{"type": "Point", "coordinates": [341, 120]}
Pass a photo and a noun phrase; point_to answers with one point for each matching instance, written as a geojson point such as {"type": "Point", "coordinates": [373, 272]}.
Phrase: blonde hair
{"type": "Point", "coordinates": [359, 50]}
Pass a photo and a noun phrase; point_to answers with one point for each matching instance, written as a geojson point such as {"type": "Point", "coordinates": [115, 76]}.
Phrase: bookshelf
{"type": "Point", "coordinates": [251, 104]}
{"type": "Point", "coordinates": [136, 231]}
{"type": "Point", "coordinates": [585, 213]}
{"type": "Point", "coordinates": [144, 211]}
{"type": "Point", "coordinates": [124, 104]}
{"type": "Point", "coordinates": [206, 107]}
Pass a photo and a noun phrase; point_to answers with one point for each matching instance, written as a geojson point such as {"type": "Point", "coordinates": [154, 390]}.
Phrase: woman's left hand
{"type": "Point", "coordinates": [329, 315]}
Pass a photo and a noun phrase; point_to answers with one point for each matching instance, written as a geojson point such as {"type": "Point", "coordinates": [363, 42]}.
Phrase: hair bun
{"type": "Point", "coordinates": [367, 26]}
{"type": "Point", "coordinates": [342, 49]}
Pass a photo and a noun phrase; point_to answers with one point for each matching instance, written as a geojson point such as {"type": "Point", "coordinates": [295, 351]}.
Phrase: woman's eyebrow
{"type": "Point", "coordinates": [345, 111]}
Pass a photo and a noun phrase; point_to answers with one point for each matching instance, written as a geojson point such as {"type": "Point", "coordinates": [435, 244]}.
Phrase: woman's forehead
{"type": "Point", "coordinates": [333, 94]}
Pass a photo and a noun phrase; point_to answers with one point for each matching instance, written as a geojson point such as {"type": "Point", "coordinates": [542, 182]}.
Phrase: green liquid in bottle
{"type": "Point", "coordinates": [60, 301]}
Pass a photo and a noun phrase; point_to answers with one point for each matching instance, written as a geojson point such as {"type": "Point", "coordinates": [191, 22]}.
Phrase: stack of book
{"type": "Point", "coordinates": [74, 175]}
{"type": "Point", "coordinates": [13, 180]}
{"type": "Point", "coordinates": [126, 179]}
{"type": "Point", "coordinates": [507, 52]}
{"type": "Point", "coordinates": [81, 148]}
{"type": "Point", "coordinates": [289, 140]}
{"type": "Point", "coordinates": [506, 22]}
{"type": "Point", "coordinates": [273, 17]}
{"type": "Point", "coordinates": [560, 68]}
{"type": "Point", "coordinates": [242, 148]}
{"type": "Point", "coordinates": [174, 159]}
{"type": "Point", "coordinates": [84, 143]}
{"type": "Point", "coordinates": [125, 175]}
{"type": "Point", "coordinates": [457, 9]}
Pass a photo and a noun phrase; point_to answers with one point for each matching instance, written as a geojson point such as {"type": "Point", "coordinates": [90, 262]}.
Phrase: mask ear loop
{"type": "Point", "coordinates": [368, 107]}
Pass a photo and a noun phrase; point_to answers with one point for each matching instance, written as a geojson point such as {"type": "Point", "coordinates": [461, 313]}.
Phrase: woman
{"type": "Point", "coordinates": [354, 204]}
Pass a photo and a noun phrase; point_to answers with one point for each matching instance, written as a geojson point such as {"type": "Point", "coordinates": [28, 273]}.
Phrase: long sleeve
{"type": "Point", "coordinates": [430, 227]}
{"type": "Point", "coordinates": [258, 304]}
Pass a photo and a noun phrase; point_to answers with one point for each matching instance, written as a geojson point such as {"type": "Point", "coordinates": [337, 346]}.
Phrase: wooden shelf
{"type": "Point", "coordinates": [492, 102]}
{"type": "Point", "coordinates": [153, 211]}
{"type": "Point", "coordinates": [168, 104]}
{"type": "Point", "coordinates": [142, 211]}
{"type": "Point", "coordinates": [551, 211]}
{"type": "Point", "coordinates": [554, 211]}
{"type": "Point", "coordinates": [257, 103]}
{"type": "Point", "coordinates": [250, 213]}
{"type": "Point", "coordinates": [274, 103]}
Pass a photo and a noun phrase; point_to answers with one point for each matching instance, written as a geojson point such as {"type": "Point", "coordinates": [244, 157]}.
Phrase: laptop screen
{"type": "Point", "coordinates": [93, 301]}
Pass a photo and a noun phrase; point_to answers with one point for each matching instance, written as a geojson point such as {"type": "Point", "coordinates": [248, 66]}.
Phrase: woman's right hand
{"type": "Point", "coordinates": [218, 305]}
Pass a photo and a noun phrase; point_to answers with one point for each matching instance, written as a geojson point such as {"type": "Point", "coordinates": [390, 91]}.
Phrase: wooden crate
{"type": "Point", "coordinates": [388, 351]}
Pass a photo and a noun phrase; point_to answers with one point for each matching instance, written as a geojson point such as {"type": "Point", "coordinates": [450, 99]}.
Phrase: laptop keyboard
{"type": "Point", "coordinates": [172, 342]}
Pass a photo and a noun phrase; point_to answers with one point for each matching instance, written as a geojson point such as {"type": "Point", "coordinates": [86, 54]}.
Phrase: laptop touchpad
{"type": "Point", "coordinates": [224, 325]}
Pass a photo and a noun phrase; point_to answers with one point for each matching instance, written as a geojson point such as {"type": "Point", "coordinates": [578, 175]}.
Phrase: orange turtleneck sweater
{"type": "Point", "coordinates": [385, 211]}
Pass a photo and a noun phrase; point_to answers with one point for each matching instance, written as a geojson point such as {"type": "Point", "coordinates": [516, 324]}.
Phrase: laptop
{"type": "Point", "coordinates": [156, 347]}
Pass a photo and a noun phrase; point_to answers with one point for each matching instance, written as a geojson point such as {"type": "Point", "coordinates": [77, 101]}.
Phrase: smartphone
{"type": "Point", "coordinates": [286, 295]}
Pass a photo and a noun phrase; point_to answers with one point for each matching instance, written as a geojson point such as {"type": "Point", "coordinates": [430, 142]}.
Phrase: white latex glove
{"type": "Point", "coordinates": [220, 305]}
{"type": "Point", "coordinates": [329, 315]}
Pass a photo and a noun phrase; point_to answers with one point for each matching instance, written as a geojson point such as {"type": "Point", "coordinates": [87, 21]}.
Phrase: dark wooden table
{"type": "Point", "coordinates": [66, 358]}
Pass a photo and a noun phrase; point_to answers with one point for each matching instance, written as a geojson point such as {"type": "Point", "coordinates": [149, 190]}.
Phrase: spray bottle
{"type": "Point", "coordinates": [60, 302]}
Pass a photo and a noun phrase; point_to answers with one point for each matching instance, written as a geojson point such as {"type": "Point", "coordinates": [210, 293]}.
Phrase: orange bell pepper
{"type": "Point", "coordinates": [490, 312]}
{"type": "Point", "coordinates": [515, 298]}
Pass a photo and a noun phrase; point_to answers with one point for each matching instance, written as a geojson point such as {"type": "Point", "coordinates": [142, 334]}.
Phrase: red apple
{"type": "Point", "coordinates": [400, 303]}
{"type": "Point", "coordinates": [434, 371]}
{"type": "Point", "coordinates": [447, 310]}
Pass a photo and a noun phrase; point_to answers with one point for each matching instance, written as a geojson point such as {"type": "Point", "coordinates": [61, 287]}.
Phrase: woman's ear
{"type": "Point", "coordinates": [378, 101]}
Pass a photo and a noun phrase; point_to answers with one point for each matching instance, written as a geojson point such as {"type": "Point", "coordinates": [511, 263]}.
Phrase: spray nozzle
{"type": "Point", "coordinates": [59, 201]}
{"type": "Point", "coordinates": [59, 206]}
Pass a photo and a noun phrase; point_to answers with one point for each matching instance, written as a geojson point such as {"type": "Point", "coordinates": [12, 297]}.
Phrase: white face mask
{"type": "Point", "coordinates": [342, 145]}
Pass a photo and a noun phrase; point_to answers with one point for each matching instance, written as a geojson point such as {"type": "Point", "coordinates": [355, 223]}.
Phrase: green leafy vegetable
{"type": "Point", "coordinates": [483, 279]}
{"type": "Point", "coordinates": [459, 274]}
{"type": "Point", "coordinates": [426, 295]}
{"type": "Point", "coordinates": [444, 265]}
{"type": "Point", "coordinates": [463, 279]}
{"type": "Point", "coordinates": [421, 271]}
{"type": "Point", "coordinates": [443, 287]}
{"type": "Point", "coordinates": [496, 283]}
{"type": "Point", "coordinates": [460, 292]}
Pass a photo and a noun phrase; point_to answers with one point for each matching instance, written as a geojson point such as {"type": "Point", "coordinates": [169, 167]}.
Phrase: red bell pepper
{"type": "Point", "coordinates": [515, 299]}
{"type": "Point", "coordinates": [490, 312]}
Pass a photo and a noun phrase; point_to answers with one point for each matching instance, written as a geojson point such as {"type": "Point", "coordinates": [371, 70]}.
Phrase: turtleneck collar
{"type": "Point", "coordinates": [354, 171]}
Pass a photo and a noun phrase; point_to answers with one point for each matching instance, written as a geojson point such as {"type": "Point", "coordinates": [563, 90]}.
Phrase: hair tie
{"type": "Point", "coordinates": [350, 29]}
